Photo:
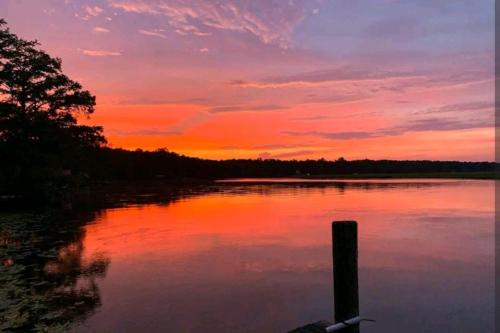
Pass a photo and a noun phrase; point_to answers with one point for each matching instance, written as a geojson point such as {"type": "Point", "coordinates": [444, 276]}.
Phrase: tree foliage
{"type": "Point", "coordinates": [39, 109]}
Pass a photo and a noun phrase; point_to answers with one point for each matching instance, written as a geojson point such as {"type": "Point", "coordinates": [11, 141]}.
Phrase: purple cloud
{"type": "Point", "coordinates": [270, 22]}
{"type": "Point", "coordinates": [292, 154]}
{"type": "Point", "coordinates": [419, 125]}
{"type": "Point", "coordinates": [239, 108]}
{"type": "Point", "coordinates": [461, 107]}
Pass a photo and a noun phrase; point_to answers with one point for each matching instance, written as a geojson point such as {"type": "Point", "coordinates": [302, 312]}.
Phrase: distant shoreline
{"type": "Point", "coordinates": [485, 175]}
{"type": "Point", "coordinates": [432, 175]}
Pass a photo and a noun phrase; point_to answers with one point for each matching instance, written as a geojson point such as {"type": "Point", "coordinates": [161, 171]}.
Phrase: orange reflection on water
{"type": "Point", "coordinates": [231, 255]}
{"type": "Point", "coordinates": [297, 217]}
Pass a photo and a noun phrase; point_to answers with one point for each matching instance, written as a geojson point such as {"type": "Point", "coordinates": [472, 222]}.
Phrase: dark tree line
{"type": "Point", "coordinates": [119, 164]}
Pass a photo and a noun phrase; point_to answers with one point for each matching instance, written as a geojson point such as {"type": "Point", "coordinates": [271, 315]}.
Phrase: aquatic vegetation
{"type": "Point", "coordinates": [46, 283]}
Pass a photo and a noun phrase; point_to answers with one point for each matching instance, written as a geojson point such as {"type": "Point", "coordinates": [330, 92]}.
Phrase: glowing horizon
{"type": "Point", "coordinates": [279, 79]}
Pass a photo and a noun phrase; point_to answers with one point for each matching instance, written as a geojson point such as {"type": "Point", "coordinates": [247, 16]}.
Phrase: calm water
{"type": "Point", "coordinates": [254, 258]}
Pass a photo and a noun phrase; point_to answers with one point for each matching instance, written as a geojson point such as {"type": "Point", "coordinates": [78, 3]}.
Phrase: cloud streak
{"type": "Point", "coordinates": [358, 83]}
{"type": "Point", "coordinates": [178, 129]}
{"type": "Point", "coordinates": [312, 118]}
{"type": "Point", "coordinates": [100, 30]}
{"type": "Point", "coordinates": [93, 10]}
{"type": "Point", "coordinates": [242, 108]}
{"type": "Point", "coordinates": [270, 23]}
{"type": "Point", "coordinates": [89, 12]}
{"type": "Point", "coordinates": [461, 107]}
{"type": "Point", "coordinates": [200, 101]}
{"type": "Point", "coordinates": [420, 125]}
{"type": "Point", "coordinates": [100, 53]}
{"type": "Point", "coordinates": [152, 33]}
{"type": "Point", "coordinates": [291, 154]}
{"type": "Point", "coordinates": [325, 76]}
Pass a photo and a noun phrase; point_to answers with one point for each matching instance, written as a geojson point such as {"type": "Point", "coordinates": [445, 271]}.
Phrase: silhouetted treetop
{"type": "Point", "coordinates": [37, 99]}
{"type": "Point", "coordinates": [33, 81]}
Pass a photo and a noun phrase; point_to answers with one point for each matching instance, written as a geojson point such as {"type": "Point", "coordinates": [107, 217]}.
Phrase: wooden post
{"type": "Point", "coordinates": [345, 272]}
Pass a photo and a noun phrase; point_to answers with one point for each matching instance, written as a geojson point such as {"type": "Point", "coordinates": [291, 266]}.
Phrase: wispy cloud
{"type": "Point", "coordinates": [355, 84]}
{"type": "Point", "coordinates": [348, 135]}
{"type": "Point", "coordinates": [90, 11]}
{"type": "Point", "coordinates": [230, 147]}
{"type": "Point", "coordinates": [290, 154]}
{"type": "Point", "coordinates": [153, 33]}
{"type": "Point", "coordinates": [136, 6]}
{"type": "Point", "coordinates": [188, 29]}
{"type": "Point", "coordinates": [350, 95]}
{"type": "Point", "coordinates": [93, 10]}
{"type": "Point", "coordinates": [100, 30]}
{"type": "Point", "coordinates": [312, 118]}
{"type": "Point", "coordinates": [419, 125]}
{"type": "Point", "coordinates": [189, 122]}
{"type": "Point", "coordinates": [239, 108]}
{"type": "Point", "coordinates": [178, 129]}
{"type": "Point", "coordinates": [271, 23]}
{"type": "Point", "coordinates": [100, 53]}
{"type": "Point", "coordinates": [325, 76]}
{"type": "Point", "coordinates": [276, 146]}
{"type": "Point", "coordinates": [461, 107]}
{"type": "Point", "coordinates": [164, 101]}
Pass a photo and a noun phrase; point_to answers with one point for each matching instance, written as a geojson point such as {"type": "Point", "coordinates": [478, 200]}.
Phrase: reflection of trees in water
{"type": "Point", "coordinates": [168, 194]}
{"type": "Point", "coordinates": [298, 188]}
{"type": "Point", "coordinates": [46, 283]}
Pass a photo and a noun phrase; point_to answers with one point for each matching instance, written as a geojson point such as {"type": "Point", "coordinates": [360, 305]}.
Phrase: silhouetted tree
{"type": "Point", "coordinates": [39, 105]}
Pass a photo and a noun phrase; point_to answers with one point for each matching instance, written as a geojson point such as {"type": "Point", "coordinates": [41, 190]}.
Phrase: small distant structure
{"type": "Point", "coordinates": [345, 280]}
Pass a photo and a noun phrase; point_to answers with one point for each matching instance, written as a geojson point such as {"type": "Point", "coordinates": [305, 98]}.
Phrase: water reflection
{"type": "Point", "coordinates": [257, 257]}
{"type": "Point", "coordinates": [46, 282]}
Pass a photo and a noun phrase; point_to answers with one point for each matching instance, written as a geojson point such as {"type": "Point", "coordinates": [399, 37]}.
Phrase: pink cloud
{"type": "Point", "coordinates": [93, 10]}
{"type": "Point", "coordinates": [152, 33]}
{"type": "Point", "coordinates": [270, 24]}
{"type": "Point", "coordinates": [100, 30]}
{"type": "Point", "coordinates": [89, 12]}
{"type": "Point", "coordinates": [100, 53]}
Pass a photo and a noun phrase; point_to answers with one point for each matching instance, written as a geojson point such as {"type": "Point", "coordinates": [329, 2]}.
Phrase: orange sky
{"type": "Point", "coordinates": [297, 79]}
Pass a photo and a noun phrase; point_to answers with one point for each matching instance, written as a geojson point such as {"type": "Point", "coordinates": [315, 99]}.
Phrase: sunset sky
{"type": "Point", "coordinates": [289, 79]}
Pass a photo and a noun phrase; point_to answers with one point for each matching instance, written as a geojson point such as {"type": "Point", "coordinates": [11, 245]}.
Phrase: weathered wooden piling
{"type": "Point", "coordinates": [345, 272]}
{"type": "Point", "coordinates": [345, 281]}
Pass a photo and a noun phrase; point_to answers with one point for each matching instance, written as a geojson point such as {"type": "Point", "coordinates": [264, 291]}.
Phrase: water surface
{"type": "Point", "coordinates": [257, 258]}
